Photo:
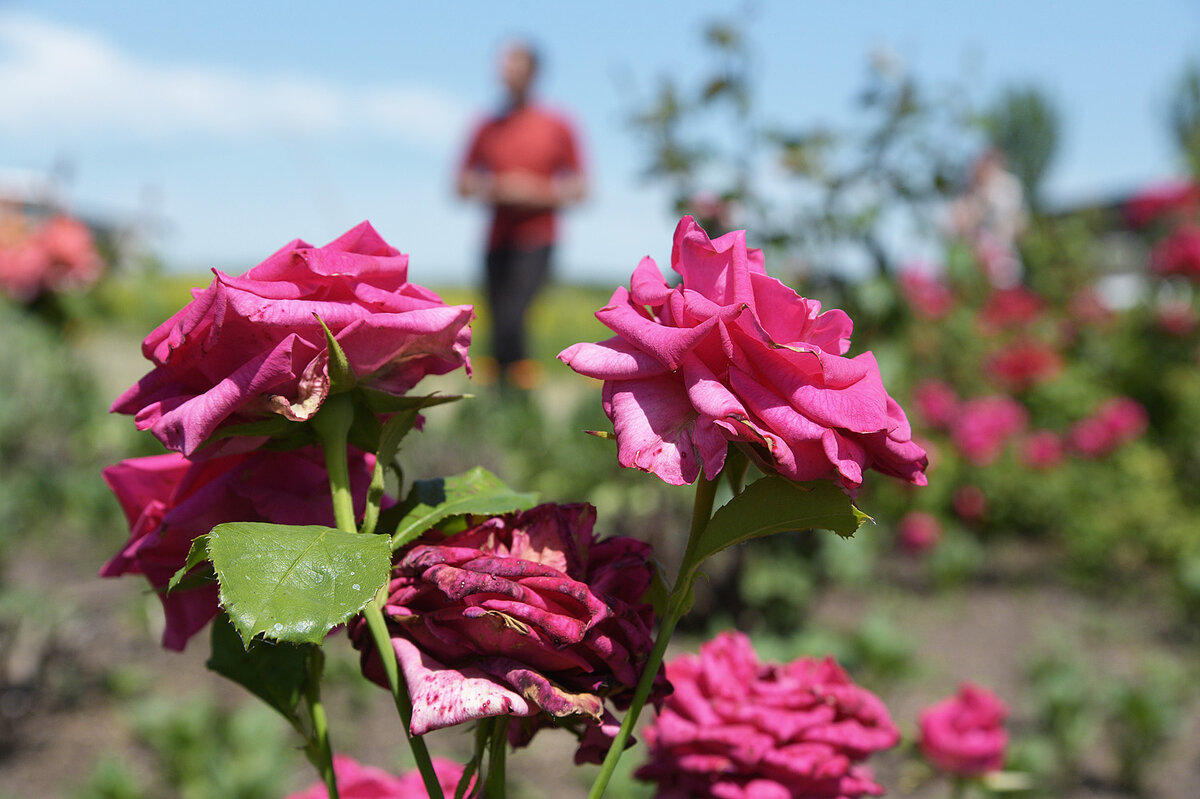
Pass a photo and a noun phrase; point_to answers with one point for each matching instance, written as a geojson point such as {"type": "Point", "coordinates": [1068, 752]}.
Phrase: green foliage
{"type": "Point", "coordinates": [111, 778]}
{"type": "Point", "coordinates": [275, 673]}
{"type": "Point", "coordinates": [288, 583]}
{"type": "Point", "coordinates": [1184, 116]}
{"type": "Point", "coordinates": [1023, 124]}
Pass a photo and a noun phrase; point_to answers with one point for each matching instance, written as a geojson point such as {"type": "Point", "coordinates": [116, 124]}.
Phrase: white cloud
{"type": "Point", "coordinates": [59, 77]}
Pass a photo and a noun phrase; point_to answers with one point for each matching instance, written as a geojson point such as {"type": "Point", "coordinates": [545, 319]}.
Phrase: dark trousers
{"type": "Point", "coordinates": [513, 280]}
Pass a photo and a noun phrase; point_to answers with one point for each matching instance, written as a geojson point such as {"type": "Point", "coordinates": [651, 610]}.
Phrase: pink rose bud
{"type": "Point", "coordinates": [252, 346]}
{"type": "Point", "coordinates": [965, 733]}
{"type": "Point", "coordinates": [732, 355]}
{"type": "Point", "coordinates": [523, 615]}
{"type": "Point", "coordinates": [169, 501]}
{"type": "Point", "coordinates": [356, 781]}
{"type": "Point", "coordinates": [737, 727]}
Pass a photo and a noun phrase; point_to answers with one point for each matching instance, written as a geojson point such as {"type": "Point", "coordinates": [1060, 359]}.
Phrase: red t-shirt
{"type": "Point", "coordinates": [529, 139]}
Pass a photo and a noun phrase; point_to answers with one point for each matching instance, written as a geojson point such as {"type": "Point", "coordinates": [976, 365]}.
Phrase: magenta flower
{"type": "Point", "coordinates": [169, 500]}
{"type": "Point", "coordinates": [1179, 253]}
{"type": "Point", "coordinates": [251, 346]}
{"type": "Point", "coordinates": [984, 426]}
{"type": "Point", "coordinates": [965, 733]}
{"type": "Point", "coordinates": [1011, 308]}
{"type": "Point", "coordinates": [927, 296]}
{"type": "Point", "coordinates": [1042, 449]}
{"type": "Point", "coordinates": [937, 403]}
{"type": "Point", "coordinates": [1023, 364]}
{"type": "Point", "coordinates": [523, 615]}
{"type": "Point", "coordinates": [733, 355]}
{"type": "Point", "coordinates": [918, 532]}
{"type": "Point", "coordinates": [356, 781]}
{"type": "Point", "coordinates": [736, 728]}
{"type": "Point", "coordinates": [1174, 199]}
{"type": "Point", "coordinates": [1116, 422]}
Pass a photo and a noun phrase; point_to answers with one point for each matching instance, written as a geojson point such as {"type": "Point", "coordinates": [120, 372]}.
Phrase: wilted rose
{"type": "Point", "coordinates": [252, 346]}
{"type": "Point", "coordinates": [965, 733]}
{"type": "Point", "coordinates": [169, 501]}
{"type": "Point", "coordinates": [522, 615]}
{"type": "Point", "coordinates": [736, 728]}
{"type": "Point", "coordinates": [735, 355]}
{"type": "Point", "coordinates": [356, 781]}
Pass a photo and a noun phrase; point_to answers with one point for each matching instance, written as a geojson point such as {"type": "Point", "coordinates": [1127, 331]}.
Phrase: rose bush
{"type": "Point", "coordinates": [736, 728]}
{"type": "Point", "coordinates": [356, 781]}
{"type": "Point", "coordinates": [169, 500]}
{"type": "Point", "coordinates": [732, 355]}
{"type": "Point", "coordinates": [985, 425]}
{"type": "Point", "coordinates": [1114, 423]}
{"type": "Point", "coordinates": [251, 346]}
{"type": "Point", "coordinates": [964, 734]}
{"type": "Point", "coordinates": [521, 615]}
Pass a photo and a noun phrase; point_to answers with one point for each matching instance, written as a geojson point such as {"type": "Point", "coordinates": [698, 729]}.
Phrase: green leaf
{"type": "Point", "coordinates": [275, 673]}
{"type": "Point", "coordinates": [196, 555]}
{"type": "Point", "coordinates": [382, 402]}
{"type": "Point", "coordinates": [477, 492]}
{"type": "Point", "coordinates": [775, 505]}
{"type": "Point", "coordinates": [295, 584]}
{"type": "Point", "coordinates": [341, 375]}
{"type": "Point", "coordinates": [272, 427]}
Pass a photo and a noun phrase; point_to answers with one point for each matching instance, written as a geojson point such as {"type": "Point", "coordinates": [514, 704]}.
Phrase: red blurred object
{"type": "Point", "coordinates": [1175, 198]}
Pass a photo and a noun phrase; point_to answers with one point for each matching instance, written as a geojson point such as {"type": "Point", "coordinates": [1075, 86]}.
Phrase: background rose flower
{"type": "Point", "coordinates": [169, 500]}
{"type": "Point", "coordinates": [937, 402]}
{"type": "Point", "coordinates": [985, 425]}
{"type": "Point", "coordinates": [918, 532]}
{"type": "Point", "coordinates": [927, 296]}
{"type": "Point", "coordinates": [735, 727]}
{"type": "Point", "coordinates": [1010, 308]}
{"type": "Point", "coordinates": [735, 355]}
{"type": "Point", "coordinates": [356, 781]}
{"type": "Point", "coordinates": [965, 733]}
{"type": "Point", "coordinates": [1179, 253]}
{"type": "Point", "coordinates": [1042, 449]}
{"type": "Point", "coordinates": [523, 614]}
{"type": "Point", "coordinates": [1170, 199]}
{"type": "Point", "coordinates": [251, 346]}
{"type": "Point", "coordinates": [1114, 423]}
{"type": "Point", "coordinates": [1023, 364]}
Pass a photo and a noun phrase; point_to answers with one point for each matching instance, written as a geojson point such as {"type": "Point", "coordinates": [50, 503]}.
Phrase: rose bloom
{"type": "Point", "coordinates": [965, 733]}
{"type": "Point", "coordinates": [1116, 422]}
{"type": "Point", "coordinates": [985, 425]}
{"type": "Point", "coordinates": [926, 296]}
{"type": "Point", "coordinates": [169, 501]}
{"type": "Point", "coordinates": [736, 728]}
{"type": "Point", "coordinates": [356, 781]}
{"type": "Point", "coordinates": [71, 253]}
{"type": "Point", "coordinates": [734, 355]}
{"type": "Point", "coordinates": [937, 403]}
{"type": "Point", "coordinates": [251, 346]}
{"type": "Point", "coordinates": [1178, 254]}
{"type": "Point", "coordinates": [1023, 364]}
{"type": "Point", "coordinates": [1010, 308]}
{"type": "Point", "coordinates": [969, 502]}
{"type": "Point", "coordinates": [526, 615]}
{"type": "Point", "coordinates": [1171, 199]}
{"type": "Point", "coordinates": [918, 532]}
{"type": "Point", "coordinates": [1042, 449]}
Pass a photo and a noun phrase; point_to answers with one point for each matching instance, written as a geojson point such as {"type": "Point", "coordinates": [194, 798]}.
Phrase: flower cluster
{"type": "Point", "coordinates": [56, 255]}
{"type": "Point", "coordinates": [526, 615]}
{"type": "Point", "coordinates": [737, 727]}
{"type": "Point", "coordinates": [732, 355]}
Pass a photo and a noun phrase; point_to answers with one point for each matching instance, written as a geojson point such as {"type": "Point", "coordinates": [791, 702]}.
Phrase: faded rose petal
{"type": "Point", "coordinates": [356, 781]}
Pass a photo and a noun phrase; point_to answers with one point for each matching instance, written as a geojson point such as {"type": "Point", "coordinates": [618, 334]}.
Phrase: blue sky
{"type": "Point", "coordinates": [244, 125]}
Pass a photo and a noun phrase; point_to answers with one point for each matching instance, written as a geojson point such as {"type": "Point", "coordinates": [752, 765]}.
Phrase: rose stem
{"type": "Point", "coordinates": [493, 788]}
{"type": "Point", "coordinates": [319, 750]}
{"type": "Point", "coordinates": [677, 605]}
{"type": "Point", "coordinates": [332, 426]}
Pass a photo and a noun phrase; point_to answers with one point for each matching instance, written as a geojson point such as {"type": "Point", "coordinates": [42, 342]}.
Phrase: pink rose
{"type": "Point", "coordinates": [918, 532]}
{"type": "Point", "coordinates": [1042, 449]}
{"type": "Point", "coordinates": [71, 253]}
{"type": "Point", "coordinates": [937, 403]}
{"type": "Point", "coordinates": [736, 728]}
{"type": "Point", "coordinates": [1023, 364]}
{"type": "Point", "coordinates": [521, 615]}
{"type": "Point", "coordinates": [1010, 308]}
{"type": "Point", "coordinates": [969, 502]}
{"type": "Point", "coordinates": [356, 781]}
{"type": "Point", "coordinates": [1179, 253]}
{"type": "Point", "coordinates": [169, 500]}
{"type": "Point", "coordinates": [1176, 198]}
{"type": "Point", "coordinates": [985, 425]}
{"type": "Point", "coordinates": [1116, 422]}
{"type": "Point", "coordinates": [251, 346]}
{"type": "Point", "coordinates": [965, 733]}
{"type": "Point", "coordinates": [735, 355]}
{"type": "Point", "coordinates": [927, 296]}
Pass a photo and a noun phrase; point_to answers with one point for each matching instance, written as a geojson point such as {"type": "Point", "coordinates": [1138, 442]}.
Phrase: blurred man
{"type": "Point", "coordinates": [525, 163]}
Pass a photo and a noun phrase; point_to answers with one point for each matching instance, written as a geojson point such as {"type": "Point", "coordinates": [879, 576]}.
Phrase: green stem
{"type": "Point", "coordinates": [494, 786]}
{"type": "Point", "coordinates": [958, 788]}
{"type": "Point", "coordinates": [677, 605]}
{"type": "Point", "coordinates": [319, 750]}
{"type": "Point", "coordinates": [332, 426]}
